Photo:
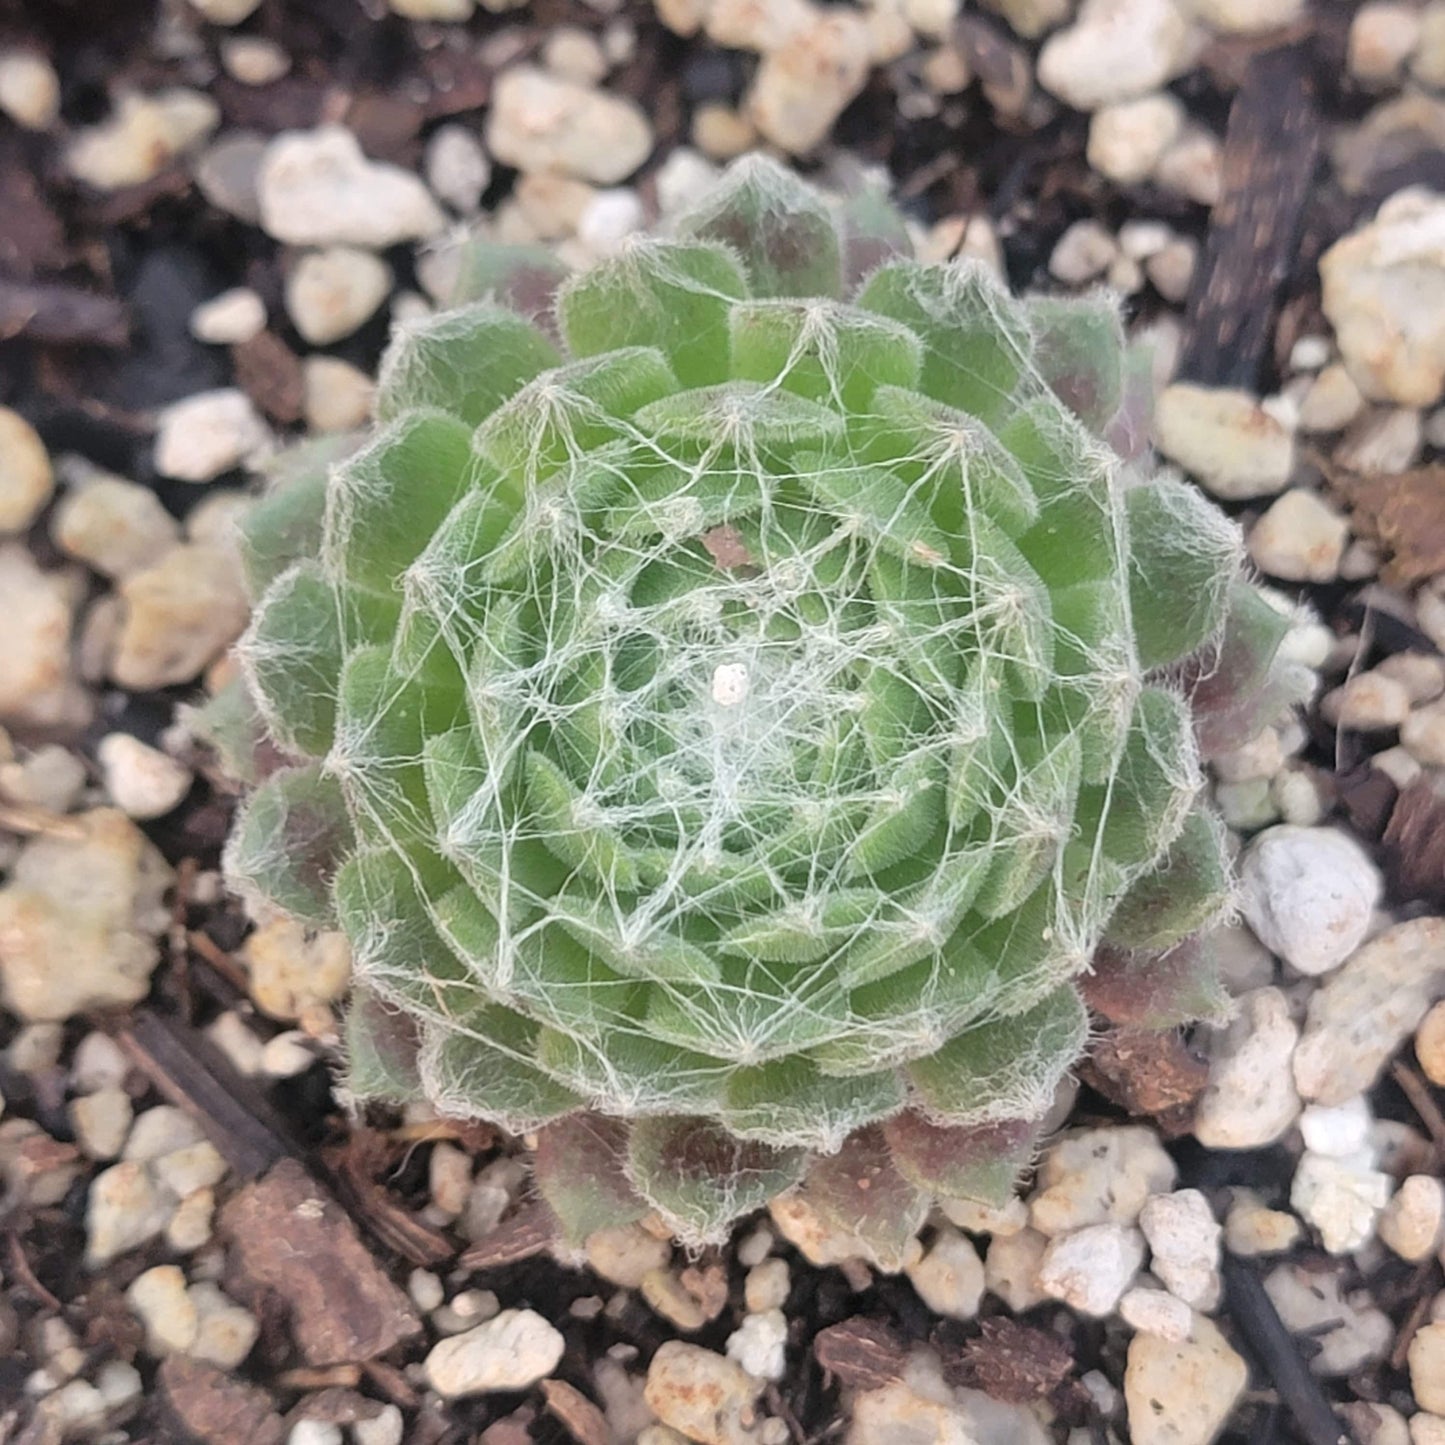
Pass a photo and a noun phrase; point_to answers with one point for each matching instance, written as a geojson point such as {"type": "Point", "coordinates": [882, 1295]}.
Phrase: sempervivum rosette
{"type": "Point", "coordinates": [734, 702]}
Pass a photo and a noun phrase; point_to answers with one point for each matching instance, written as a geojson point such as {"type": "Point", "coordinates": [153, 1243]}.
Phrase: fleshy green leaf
{"type": "Point", "coordinates": [700, 1178]}
{"type": "Point", "coordinates": [1006, 1068]}
{"type": "Point", "coordinates": [981, 1162]}
{"type": "Point", "coordinates": [777, 224]}
{"type": "Point", "coordinates": [465, 362]}
{"type": "Point", "coordinates": [977, 346]}
{"type": "Point", "coordinates": [674, 296]}
{"type": "Point", "coordinates": [291, 837]}
{"type": "Point", "coordinates": [580, 1169]}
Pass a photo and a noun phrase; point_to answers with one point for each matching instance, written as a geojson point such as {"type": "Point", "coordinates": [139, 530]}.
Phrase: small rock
{"type": "Point", "coordinates": [608, 219]}
{"type": "Point", "coordinates": [1384, 293]}
{"type": "Point", "coordinates": [1340, 1197]}
{"type": "Point", "coordinates": [1251, 1229]}
{"type": "Point", "coordinates": [190, 1226]}
{"type": "Point", "coordinates": [1247, 17]}
{"type": "Point", "coordinates": [1386, 441]}
{"type": "Point", "coordinates": [540, 122]}
{"type": "Point", "coordinates": [760, 1344]}
{"type": "Point", "coordinates": [226, 12]}
{"type": "Point", "coordinates": [1011, 1268]}
{"type": "Point", "coordinates": [1116, 50]}
{"type": "Point", "coordinates": [92, 897]}
{"type": "Point", "coordinates": [1337, 1130]}
{"type": "Point", "coordinates": [1430, 1045]}
{"type": "Point", "coordinates": [1156, 1312]}
{"type": "Point", "coordinates": [949, 1278]}
{"type": "Point", "coordinates": [766, 1286]}
{"type": "Point", "coordinates": [225, 1332]}
{"type": "Point", "coordinates": [1308, 894]}
{"type": "Point", "coordinates": [975, 1218]}
{"type": "Point", "coordinates": [1236, 449]}
{"type": "Point", "coordinates": [1193, 166]}
{"type": "Point", "coordinates": [1347, 1332]}
{"type": "Point", "coordinates": [1301, 538]}
{"type": "Point", "coordinates": [293, 969]}
{"type": "Point", "coordinates": [1427, 1367]}
{"type": "Point", "coordinates": [126, 1208]}
{"type": "Point", "coordinates": [336, 396]}
{"type": "Point", "coordinates": [161, 1131]}
{"type": "Point", "coordinates": [449, 1178]}
{"type": "Point", "coordinates": [626, 1254]}
{"type": "Point", "coordinates": [29, 89]}
{"type": "Point", "coordinates": [1183, 1240]}
{"type": "Point", "coordinates": [722, 133]}
{"type": "Point", "coordinates": [385, 1428]}
{"type": "Point", "coordinates": [1098, 1176]}
{"type": "Point", "coordinates": [98, 1063]}
{"type": "Point", "coordinates": [228, 172]}
{"type": "Point", "coordinates": [1427, 1429]}
{"type": "Point", "coordinates": [323, 1432]}
{"type": "Point", "coordinates": [330, 293]}
{"type": "Point", "coordinates": [209, 433]}
{"type": "Point", "coordinates": [690, 1300]}
{"type": "Point", "coordinates": [254, 60]}
{"type": "Point", "coordinates": [179, 616]}
{"type": "Point", "coordinates": [702, 1395]}
{"type": "Point", "coordinates": [141, 137]}
{"type": "Point", "coordinates": [316, 188]}
{"type": "Point", "coordinates": [1250, 1100]}
{"type": "Point", "coordinates": [1421, 674]}
{"type": "Point", "coordinates": [1427, 65]}
{"type": "Point", "coordinates": [1422, 734]}
{"type": "Point", "coordinates": [822, 1241]}
{"type": "Point", "coordinates": [465, 1311]}
{"type": "Point", "coordinates": [1332, 402]}
{"type": "Point", "coordinates": [1172, 269]}
{"type": "Point", "coordinates": [1382, 38]}
{"type": "Point", "coordinates": [1127, 140]}
{"type": "Point", "coordinates": [1083, 253]}
{"type": "Point", "coordinates": [1413, 1222]}
{"type": "Point", "coordinates": [457, 168]}
{"type": "Point", "coordinates": [1367, 702]}
{"type": "Point", "coordinates": [113, 526]}
{"type": "Point", "coordinates": [141, 781]}
{"type": "Point", "coordinates": [1092, 1267]}
{"type": "Point", "coordinates": [195, 1166]}
{"type": "Point", "coordinates": [36, 686]}
{"type": "Point", "coordinates": [287, 1055]}
{"type": "Point", "coordinates": [26, 479]}
{"type": "Point", "coordinates": [1366, 1010]}
{"type": "Point", "coordinates": [439, 10]}
{"type": "Point", "coordinates": [101, 1121]}
{"type": "Point", "coordinates": [233, 317]}
{"type": "Point", "coordinates": [159, 1300]}
{"type": "Point", "coordinates": [1182, 1392]}
{"type": "Point", "coordinates": [805, 83]}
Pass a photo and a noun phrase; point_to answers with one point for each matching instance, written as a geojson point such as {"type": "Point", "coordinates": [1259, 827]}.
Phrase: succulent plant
{"type": "Point", "coordinates": [741, 702]}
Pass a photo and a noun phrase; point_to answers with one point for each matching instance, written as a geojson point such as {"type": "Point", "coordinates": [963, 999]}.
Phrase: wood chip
{"type": "Point", "coordinates": [269, 372]}
{"type": "Point", "coordinates": [61, 315]}
{"type": "Point", "coordinates": [289, 1238]}
{"type": "Point", "coordinates": [1148, 1071]}
{"type": "Point", "coordinates": [1413, 846]}
{"type": "Point", "coordinates": [863, 1354]}
{"type": "Point", "coordinates": [529, 1231]}
{"type": "Point", "coordinates": [1405, 514]}
{"type": "Point", "coordinates": [236, 1117]}
{"type": "Point", "coordinates": [1011, 1361]}
{"type": "Point", "coordinates": [1270, 146]}
{"type": "Point", "coordinates": [356, 1167]}
{"type": "Point", "coordinates": [217, 1409]}
{"type": "Point", "coordinates": [581, 1419]}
